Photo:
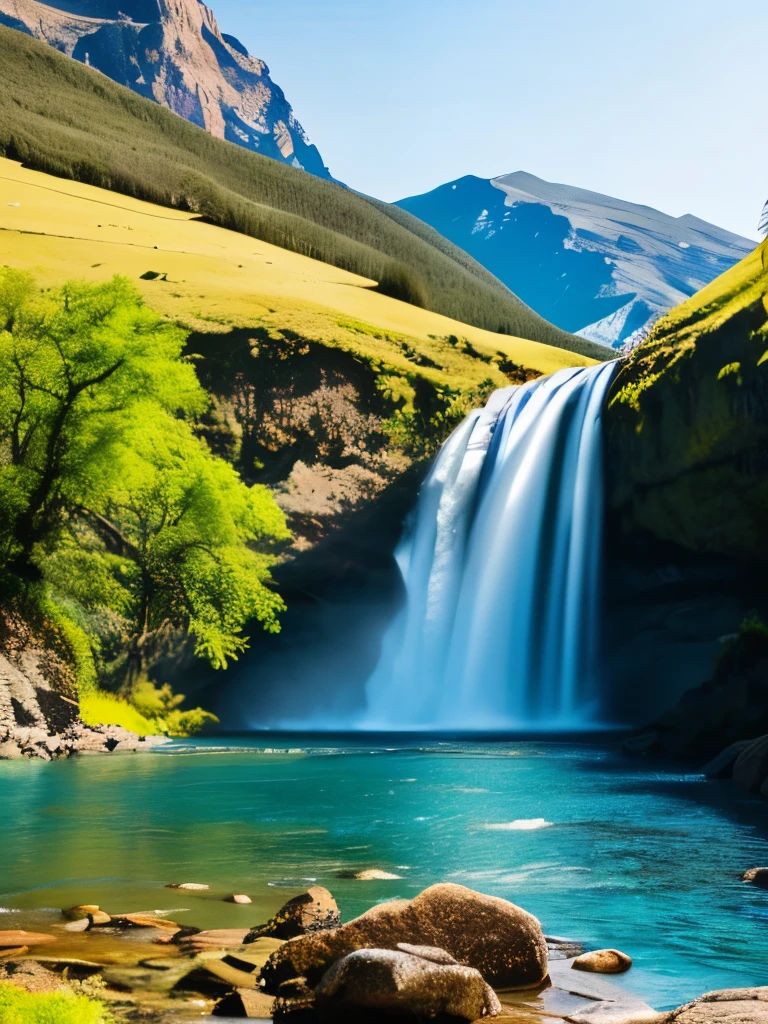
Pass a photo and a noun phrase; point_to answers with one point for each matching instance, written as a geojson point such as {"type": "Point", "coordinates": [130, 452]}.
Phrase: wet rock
{"type": "Point", "coordinates": [229, 974]}
{"type": "Point", "coordinates": [191, 886]}
{"type": "Point", "coordinates": [81, 912]}
{"type": "Point", "coordinates": [563, 949]}
{"type": "Point", "coordinates": [12, 939]}
{"type": "Point", "coordinates": [751, 767]}
{"type": "Point", "coordinates": [757, 876]}
{"type": "Point", "coordinates": [31, 976]}
{"type": "Point", "coordinates": [216, 938]}
{"type": "Point", "coordinates": [497, 938]}
{"type": "Point", "coordinates": [245, 1002]}
{"type": "Point", "coordinates": [10, 750]}
{"type": "Point", "coordinates": [603, 961]}
{"type": "Point", "coordinates": [729, 1006]}
{"type": "Point", "coordinates": [240, 899]}
{"type": "Point", "coordinates": [721, 767]}
{"type": "Point", "coordinates": [82, 925]}
{"type": "Point", "coordinates": [145, 921]}
{"type": "Point", "coordinates": [400, 983]}
{"type": "Point", "coordinates": [297, 988]}
{"type": "Point", "coordinates": [14, 951]}
{"type": "Point", "coordinates": [150, 979]}
{"type": "Point", "coordinates": [312, 911]}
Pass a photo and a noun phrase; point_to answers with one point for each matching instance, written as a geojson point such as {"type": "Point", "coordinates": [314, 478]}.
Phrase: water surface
{"type": "Point", "coordinates": [601, 849]}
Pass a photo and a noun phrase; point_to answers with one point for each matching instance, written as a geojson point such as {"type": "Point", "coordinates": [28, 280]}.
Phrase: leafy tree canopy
{"type": "Point", "coordinates": [107, 496]}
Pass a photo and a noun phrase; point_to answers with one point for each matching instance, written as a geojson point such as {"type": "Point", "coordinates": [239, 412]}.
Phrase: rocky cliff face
{"type": "Point", "coordinates": [687, 475]}
{"type": "Point", "coordinates": [172, 51]}
{"type": "Point", "coordinates": [688, 422]}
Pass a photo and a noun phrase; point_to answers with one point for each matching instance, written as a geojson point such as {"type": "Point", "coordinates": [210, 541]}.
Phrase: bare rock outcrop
{"type": "Point", "coordinates": [173, 52]}
{"type": "Point", "coordinates": [729, 1006]}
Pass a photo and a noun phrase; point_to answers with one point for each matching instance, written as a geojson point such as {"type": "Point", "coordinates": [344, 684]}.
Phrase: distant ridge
{"type": "Point", "coordinates": [173, 52]}
{"type": "Point", "coordinates": [66, 119]}
{"type": "Point", "coordinates": [600, 267]}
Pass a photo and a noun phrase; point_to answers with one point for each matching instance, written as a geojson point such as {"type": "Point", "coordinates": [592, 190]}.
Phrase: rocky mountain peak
{"type": "Point", "coordinates": [173, 51]}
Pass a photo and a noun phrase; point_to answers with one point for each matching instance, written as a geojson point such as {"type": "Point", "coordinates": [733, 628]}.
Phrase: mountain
{"type": "Point", "coordinates": [596, 266]}
{"type": "Point", "coordinates": [173, 52]}
{"type": "Point", "coordinates": [58, 116]}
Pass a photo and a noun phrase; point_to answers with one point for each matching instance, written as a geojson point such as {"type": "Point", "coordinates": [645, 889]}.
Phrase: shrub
{"type": "Point", "coordinates": [106, 709]}
{"type": "Point", "coordinates": [401, 282]}
{"type": "Point", "coordinates": [161, 705]}
{"type": "Point", "coordinates": [20, 1007]}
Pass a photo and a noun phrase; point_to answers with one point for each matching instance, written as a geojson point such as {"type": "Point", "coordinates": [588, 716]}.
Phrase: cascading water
{"type": "Point", "coordinates": [502, 569]}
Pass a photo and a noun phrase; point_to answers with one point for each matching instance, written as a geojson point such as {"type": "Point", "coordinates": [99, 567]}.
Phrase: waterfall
{"type": "Point", "coordinates": [502, 568]}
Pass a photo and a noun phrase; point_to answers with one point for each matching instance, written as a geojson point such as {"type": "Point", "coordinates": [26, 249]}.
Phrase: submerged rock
{"type": "Point", "coordinates": [402, 983]}
{"type": "Point", "coordinates": [191, 886]}
{"type": "Point", "coordinates": [497, 938]}
{"type": "Point", "coordinates": [312, 911]}
{"type": "Point", "coordinates": [240, 899]}
{"type": "Point", "coordinates": [603, 961]}
{"type": "Point", "coordinates": [375, 875]}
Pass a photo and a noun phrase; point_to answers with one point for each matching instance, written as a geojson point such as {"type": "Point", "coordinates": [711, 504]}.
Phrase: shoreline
{"type": "Point", "coordinates": [149, 972]}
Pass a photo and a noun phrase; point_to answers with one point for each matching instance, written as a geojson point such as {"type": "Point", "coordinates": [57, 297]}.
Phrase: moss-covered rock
{"type": "Point", "coordinates": [687, 421]}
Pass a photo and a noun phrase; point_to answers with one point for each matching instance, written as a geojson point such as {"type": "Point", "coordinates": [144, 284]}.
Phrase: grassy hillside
{"type": "Point", "coordinates": [61, 117]}
{"type": "Point", "coordinates": [688, 420]}
{"type": "Point", "coordinates": [211, 280]}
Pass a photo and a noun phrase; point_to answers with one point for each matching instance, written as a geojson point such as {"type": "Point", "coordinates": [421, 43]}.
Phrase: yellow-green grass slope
{"type": "Point", "coordinates": [211, 279]}
{"type": "Point", "coordinates": [688, 420]}
{"type": "Point", "coordinates": [59, 116]}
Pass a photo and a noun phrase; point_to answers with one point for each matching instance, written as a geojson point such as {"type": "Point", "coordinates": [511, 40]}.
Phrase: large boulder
{"type": "Point", "coordinates": [400, 982]}
{"type": "Point", "coordinates": [730, 1006]}
{"type": "Point", "coordinates": [312, 911]}
{"type": "Point", "coordinates": [751, 767]}
{"type": "Point", "coordinates": [498, 939]}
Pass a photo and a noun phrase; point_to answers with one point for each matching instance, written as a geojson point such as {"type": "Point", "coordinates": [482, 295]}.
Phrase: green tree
{"type": "Point", "coordinates": [106, 493]}
{"type": "Point", "coordinates": [74, 365]}
{"type": "Point", "coordinates": [194, 541]}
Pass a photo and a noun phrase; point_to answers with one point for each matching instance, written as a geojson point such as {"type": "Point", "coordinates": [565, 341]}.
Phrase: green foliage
{"type": "Point", "coordinates": [402, 282]}
{"type": "Point", "coordinates": [68, 120]}
{"type": "Point", "coordinates": [106, 709]}
{"type": "Point", "coordinates": [20, 1007]}
{"type": "Point", "coordinates": [753, 627]}
{"type": "Point", "coordinates": [162, 705]}
{"type": "Point", "coordinates": [76, 641]}
{"type": "Point", "coordinates": [151, 711]}
{"type": "Point", "coordinates": [107, 496]}
{"type": "Point", "coordinates": [74, 366]}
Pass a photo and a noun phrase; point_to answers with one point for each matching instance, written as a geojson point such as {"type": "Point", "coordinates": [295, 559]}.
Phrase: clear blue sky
{"type": "Point", "coordinates": [661, 102]}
